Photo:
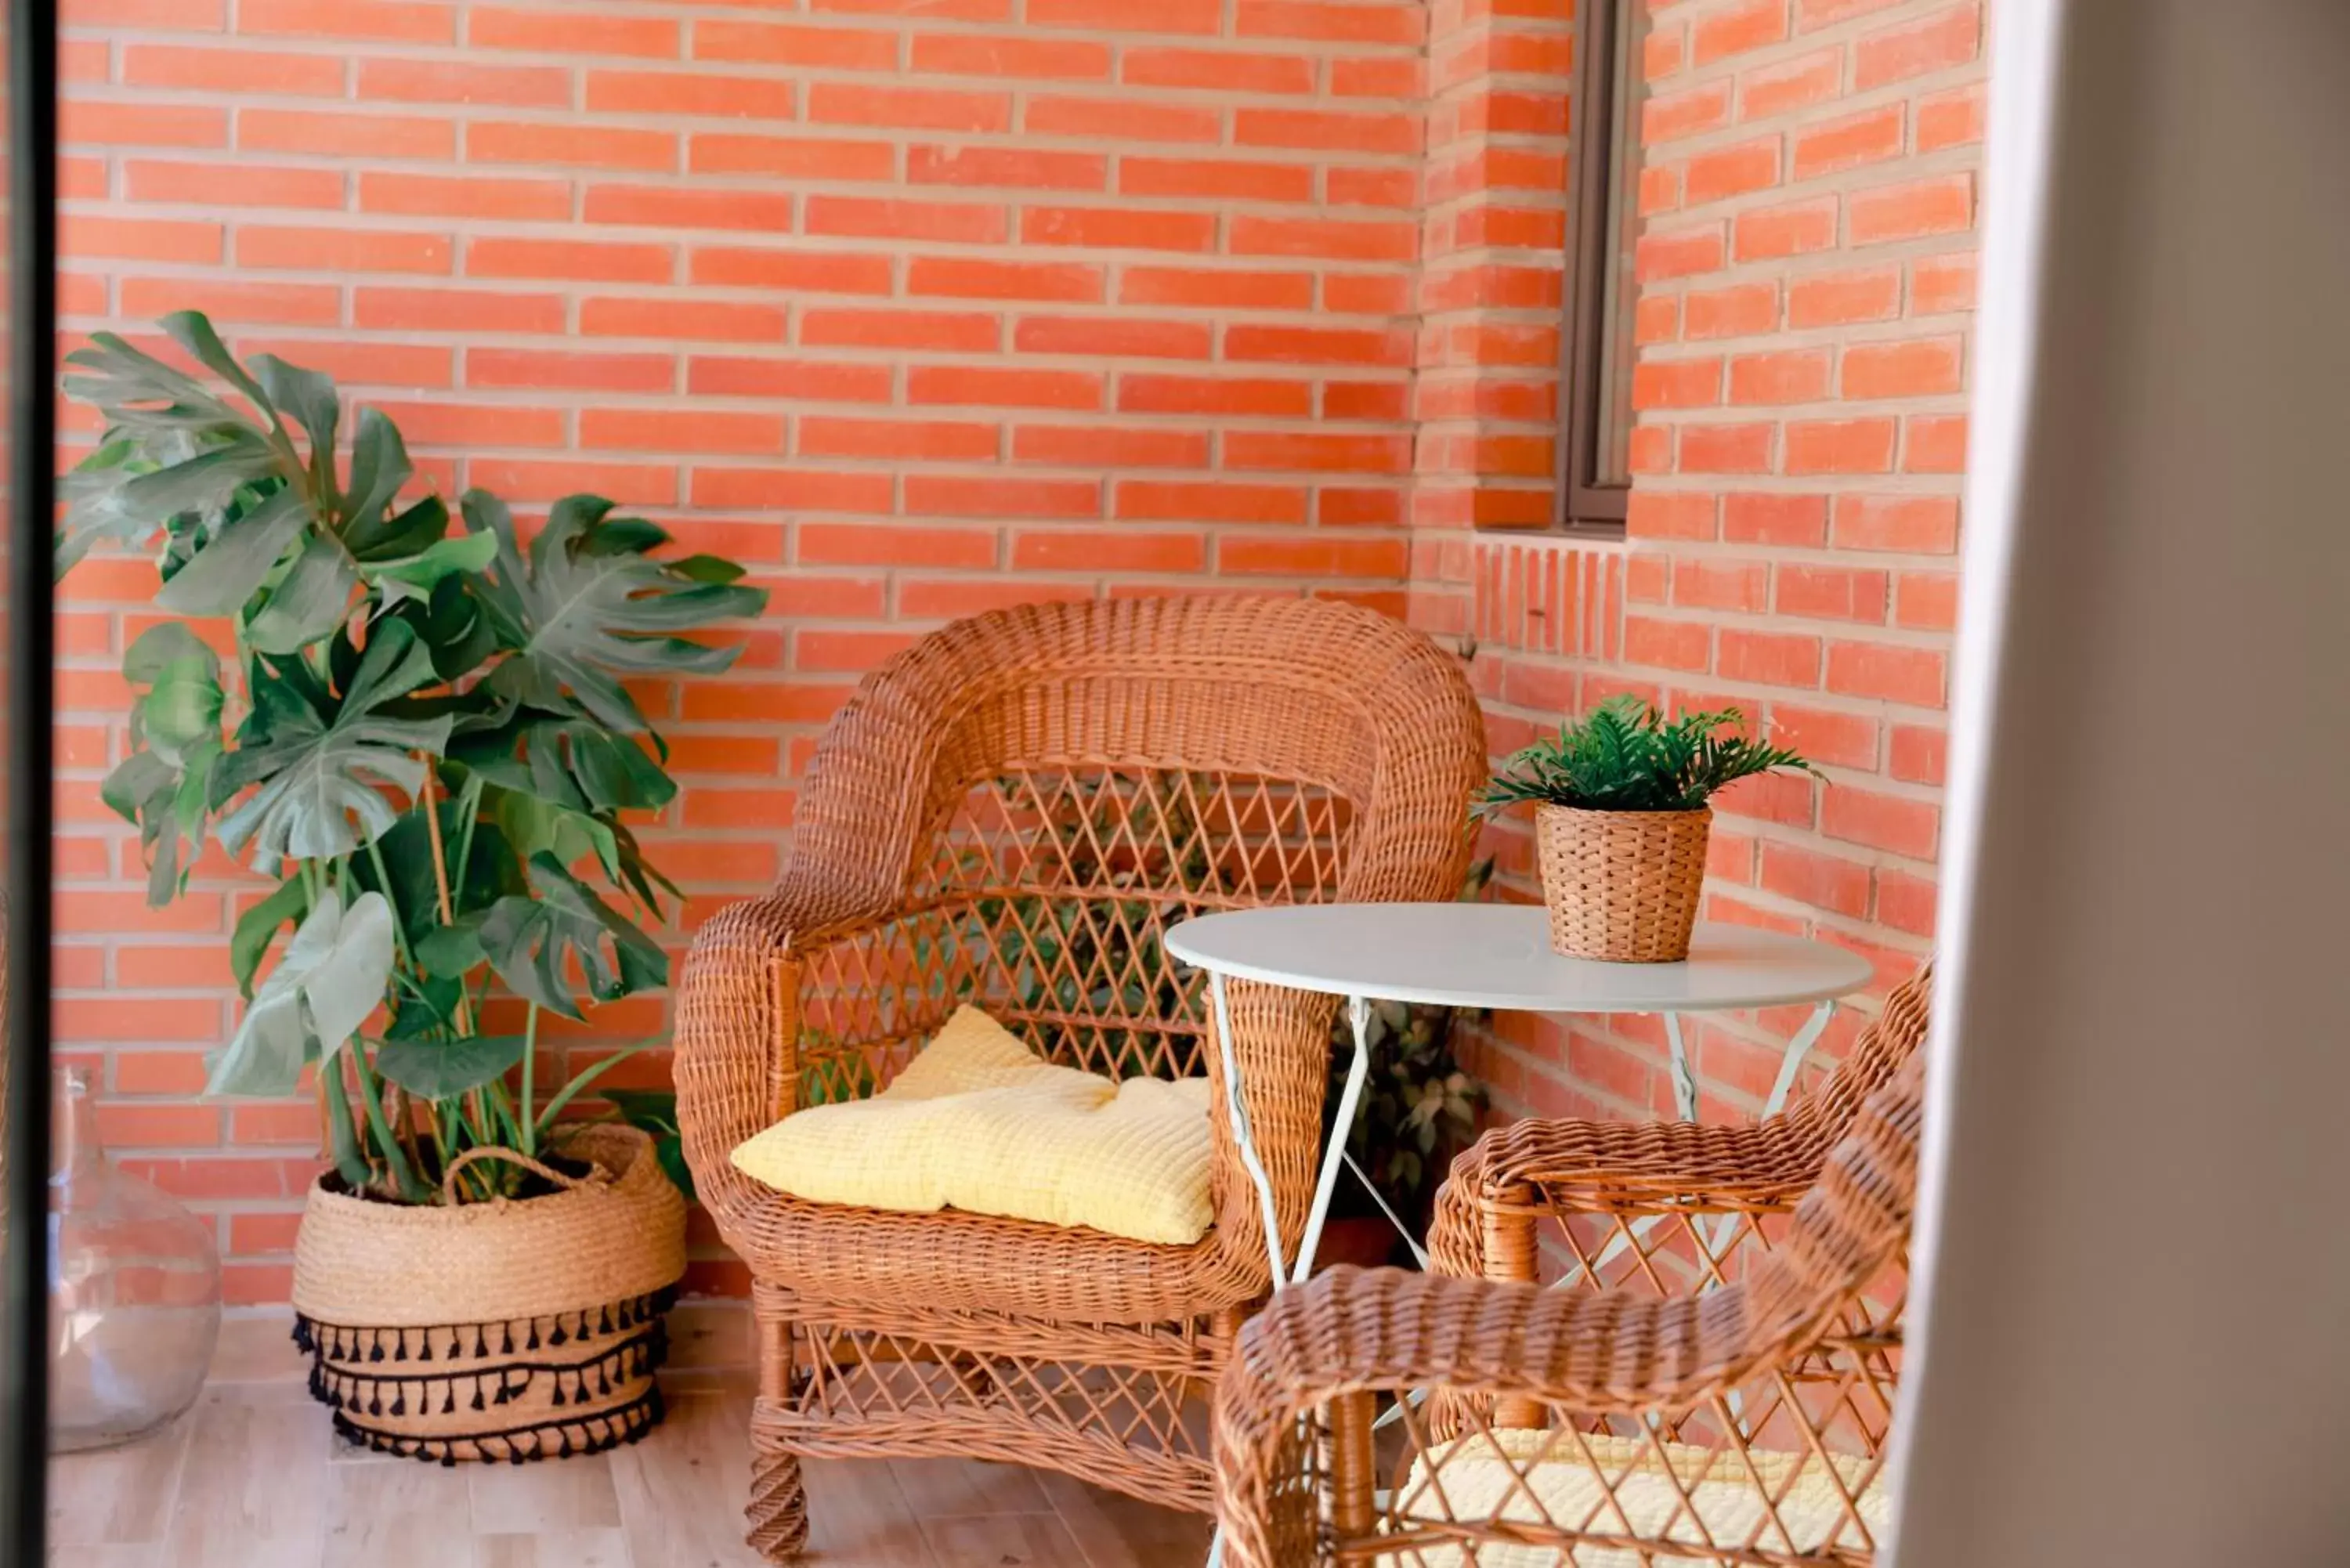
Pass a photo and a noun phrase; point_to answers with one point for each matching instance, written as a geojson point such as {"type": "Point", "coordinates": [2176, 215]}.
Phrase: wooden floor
{"type": "Point", "coordinates": [253, 1477]}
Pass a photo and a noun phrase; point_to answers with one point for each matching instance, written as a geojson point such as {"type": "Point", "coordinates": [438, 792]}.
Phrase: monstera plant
{"type": "Point", "coordinates": [434, 748]}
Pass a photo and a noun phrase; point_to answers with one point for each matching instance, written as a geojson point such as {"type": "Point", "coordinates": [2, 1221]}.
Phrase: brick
{"type": "Point", "coordinates": [1952, 118]}
{"type": "Point", "coordinates": [1235, 178]}
{"type": "Point", "coordinates": [1892, 823]}
{"type": "Point", "coordinates": [343, 250]}
{"type": "Point", "coordinates": [1850, 141]}
{"type": "Point", "coordinates": [521, 479]}
{"type": "Point", "coordinates": [1927, 524]}
{"type": "Point", "coordinates": [1746, 26]}
{"type": "Point", "coordinates": [1768, 659]}
{"type": "Point", "coordinates": [232, 70]}
{"type": "Point", "coordinates": [1741, 310]}
{"type": "Point", "coordinates": [586, 261]}
{"type": "Point", "coordinates": [367, 136]}
{"type": "Point", "coordinates": [573, 30]}
{"type": "Point", "coordinates": [139, 239]}
{"type": "Point", "coordinates": [1941, 204]}
{"type": "Point", "coordinates": [980, 384]}
{"type": "Point", "coordinates": [1735, 170]}
{"type": "Point", "coordinates": [984, 55]}
{"type": "Point", "coordinates": [1831, 593]}
{"type": "Point", "coordinates": [1945, 283]}
{"type": "Point", "coordinates": [1672, 644]}
{"type": "Point", "coordinates": [1827, 882]}
{"type": "Point", "coordinates": [1670, 115]}
{"type": "Point", "coordinates": [957, 277]}
{"type": "Point", "coordinates": [1315, 346]}
{"type": "Point", "coordinates": [457, 81]}
{"type": "Point", "coordinates": [1677, 383]}
{"type": "Point", "coordinates": [698, 93]}
{"type": "Point", "coordinates": [1187, 501]}
{"type": "Point", "coordinates": [573, 144]}
{"type": "Point", "coordinates": [864, 217]}
{"type": "Point", "coordinates": [1840, 446]}
{"type": "Point", "coordinates": [1326, 129]}
{"type": "Point", "coordinates": [1109, 550]}
{"type": "Point", "coordinates": [1836, 299]}
{"type": "Point", "coordinates": [454, 311]}
{"type": "Point", "coordinates": [1781, 375]}
{"type": "Point", "coordinates": [374, 21]}
{"type": "Point", "coordinates": [665, 207]}
{"type": "Point", "coordinates": [1938, 42]}
{"type": "Point", "coordinates": [898, 440]}
{"type": "Point", "coordinates": [1894, 672]}
{"type": "Point", "coordinates": [1317, 451]}
{"type": "Point", "coordinates": [1775, 519]}
{"type": "Point", "coordinates": [1338, 21]}
{"type": "Point", "coordinates": [797, 489]}
{"type": "Point", "coordinates": [1669, 514]}
{"type": "Point", "coordinates": [1179, 16]}
{"type": "Point", "coordinates": [1218, 70]}
{"type": "Point", "coordinates": [1917, 754]}
{"type": "Point", "coordinates": [1918, 368]}
{"type": "Point", "coordinates": [909, 108]}
{"type": "Point", "coordinates": [1120, 337]}
{"type": "Point", "coordinates": [232, 302]}
{"type": "Point", "coordinates": [1153, 394]}
{"type": "Point", "coordinates": [813, 272]}
{"type": "Point", "coordinates": [1118, 228]}
{"type": "Point", "coordinates": [1726, 449]}
{"type": "Point", "coordinates": [619, 316]}
{"type": "Point", "coordinates": [930, 330]}
{"type": "Point", "coordinates": [1321, 556]}
{"type": "Point", "coordinates": [977, 495]}
{"type": "Point", "coordinates": [1796, 228]}
{"type": "Point", "coordinates": [680, 430]}
{"type": "Point", "coordinates": [1021, 167]}
{"type": "Point", "coordinates": [463, 196]}
{"type": "Point", "coordinates": [895, 545]}
{"type": "Point", "coordinates": [1927, 601]}
{"type": "Point", "coordinates": [1825, 735]}
{"type": "Point", "coordinates": [790, 157]}
{"type": "Point", "coordinates": [538, 367]}
{"type": "Point", "coordinates": [1125, 119]}
{"type": "Point", "coordinates": [81, 122]}
{"type": "Point", "coordinates": [1229, 290]}
{"type": "Point", "coordinates": [1788, 85]}
{"type": "Point", "coordinates": [1660, 257]}
{"type": "Point", "coordinates": [1701, 583]}
{"type": "Point", "coordinates": [1934, 443]}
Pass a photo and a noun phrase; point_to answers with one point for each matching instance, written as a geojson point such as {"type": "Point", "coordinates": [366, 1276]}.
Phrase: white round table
{"type": "Point", "coordinates": [1487, 956]}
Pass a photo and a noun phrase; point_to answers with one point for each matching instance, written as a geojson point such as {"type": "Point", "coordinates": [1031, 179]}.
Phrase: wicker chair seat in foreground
{"type": "Point", "coordinates": [1009, 814]}
{"type": "Point", "coordinates": [1710, 1384]}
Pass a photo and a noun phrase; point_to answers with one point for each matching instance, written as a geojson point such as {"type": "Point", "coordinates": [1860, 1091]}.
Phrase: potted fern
{"type": "Point", "coordinates": [436, 760]}
{"type": "Point", "coordinates": [1621, 822]}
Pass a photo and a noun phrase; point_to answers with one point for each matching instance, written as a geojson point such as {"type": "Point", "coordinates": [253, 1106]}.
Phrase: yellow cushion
{"type": "Point", "coordinates": [979, 1122]}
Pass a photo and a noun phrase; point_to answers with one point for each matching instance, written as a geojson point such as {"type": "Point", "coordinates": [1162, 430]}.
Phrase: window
{"type": "Point", "coordinates": [1603, 205]}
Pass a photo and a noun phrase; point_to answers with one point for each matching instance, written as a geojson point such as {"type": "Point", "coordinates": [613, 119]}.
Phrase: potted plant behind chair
{"type": "Point", "coordinates": [436, 759]}
{"type": "Point", "coordinates": [1621, 822]}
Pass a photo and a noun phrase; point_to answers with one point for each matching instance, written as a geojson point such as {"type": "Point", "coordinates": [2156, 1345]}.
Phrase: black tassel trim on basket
{"type": "Point", "coordinates": [518, 1445]}
{"type": "Point", "coordinates": [375, 1345]}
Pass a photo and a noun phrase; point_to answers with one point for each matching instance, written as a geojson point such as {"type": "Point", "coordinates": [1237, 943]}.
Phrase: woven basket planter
{"type": "Point", "coordinates": [1622, 885]}
{"type": "Point", "coordinates": [508, 1329]}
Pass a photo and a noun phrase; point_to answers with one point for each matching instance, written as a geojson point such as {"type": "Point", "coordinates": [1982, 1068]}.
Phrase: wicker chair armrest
{"type": "Point", "coordinates": [1387, 1330]}
{"type": "Point", "coordinates": [731, 1039]}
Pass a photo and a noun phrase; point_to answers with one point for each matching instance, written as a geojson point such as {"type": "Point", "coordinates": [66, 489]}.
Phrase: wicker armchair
{"type": "Point", "coordinates": [1737, 1424]}
{"type": "Point", "coordinates": [1010, 813]}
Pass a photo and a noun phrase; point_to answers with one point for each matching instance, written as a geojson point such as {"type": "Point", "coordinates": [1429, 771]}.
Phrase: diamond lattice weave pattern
{"type": "Point", "coordinates": [979, 1122]}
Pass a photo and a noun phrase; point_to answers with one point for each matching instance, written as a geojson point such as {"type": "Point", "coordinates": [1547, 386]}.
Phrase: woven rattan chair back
{"type": "Point", "coordinates": [1039, 794]}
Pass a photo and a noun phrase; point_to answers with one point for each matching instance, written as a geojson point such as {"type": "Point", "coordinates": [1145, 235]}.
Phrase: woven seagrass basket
{"type": "Point", "coordinates": [1622, 885]}
{"type": "Point", "coordinates": [508, 1329]}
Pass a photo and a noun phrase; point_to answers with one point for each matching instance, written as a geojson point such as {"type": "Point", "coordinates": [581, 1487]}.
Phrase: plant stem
{"type": "Point", "coordinates": [529, 1064]}
{"type": "Point", "coordinates": [383, 885]}
{"type": "Point", "coordinates": [571, 1090]}
{"type": "Point", "coordinates": [403, 1177]}
{"type": "Point", "coordinates": [342, 1137]}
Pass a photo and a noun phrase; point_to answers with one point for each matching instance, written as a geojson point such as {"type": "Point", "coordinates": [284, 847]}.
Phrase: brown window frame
{"type": "Point", "coordinates": [1587, 507]}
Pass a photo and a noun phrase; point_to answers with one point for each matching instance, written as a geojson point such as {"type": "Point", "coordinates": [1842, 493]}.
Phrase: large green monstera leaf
{"type": "Point", "coordinates": [532, 942]}
{"type": "Point", "coordinates": [258, 526]}
{"type": "Point", "coordinates": [314, 761]}
{"type": "Point", "coordinates": [165, 784]}
{"type": "Point", "coordinates": [331, 977]}
{"type": "Point", "coordinates": [590, 608]}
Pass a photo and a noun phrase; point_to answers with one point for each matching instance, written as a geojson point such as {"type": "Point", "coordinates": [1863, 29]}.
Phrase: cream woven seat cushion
{"type": "Point", "coordinates": [979, 1122]}
{"type": "Point", "coordinates": [1478, 1481]}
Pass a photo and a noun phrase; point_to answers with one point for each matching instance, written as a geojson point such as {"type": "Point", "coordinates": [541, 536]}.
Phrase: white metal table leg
{"type": "Point", "coordinates": [1236, 1103]}
{"type": "Point", "coordinates": [1792, 1062]}
{"type": "Point", "coordinates": [1359, 1018]}
{"type": "Point", "coordinates": [1684, 1077]}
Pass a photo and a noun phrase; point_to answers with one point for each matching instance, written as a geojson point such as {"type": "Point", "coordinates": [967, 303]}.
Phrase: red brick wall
{"type": "Point", "coordinates": [1808, 276]}
{"type": "Point", "coordinates": [923, 306]}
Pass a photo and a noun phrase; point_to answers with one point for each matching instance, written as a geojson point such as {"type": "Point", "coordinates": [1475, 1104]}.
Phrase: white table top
{"type": "Point", "coordinates": [1499, 956]}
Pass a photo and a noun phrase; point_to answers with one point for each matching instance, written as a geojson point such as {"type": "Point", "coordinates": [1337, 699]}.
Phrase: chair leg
{"type": "Point", "coordinates": [1510, 1254]}
{"type": "Point", "coordinates": [777, 1513]}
